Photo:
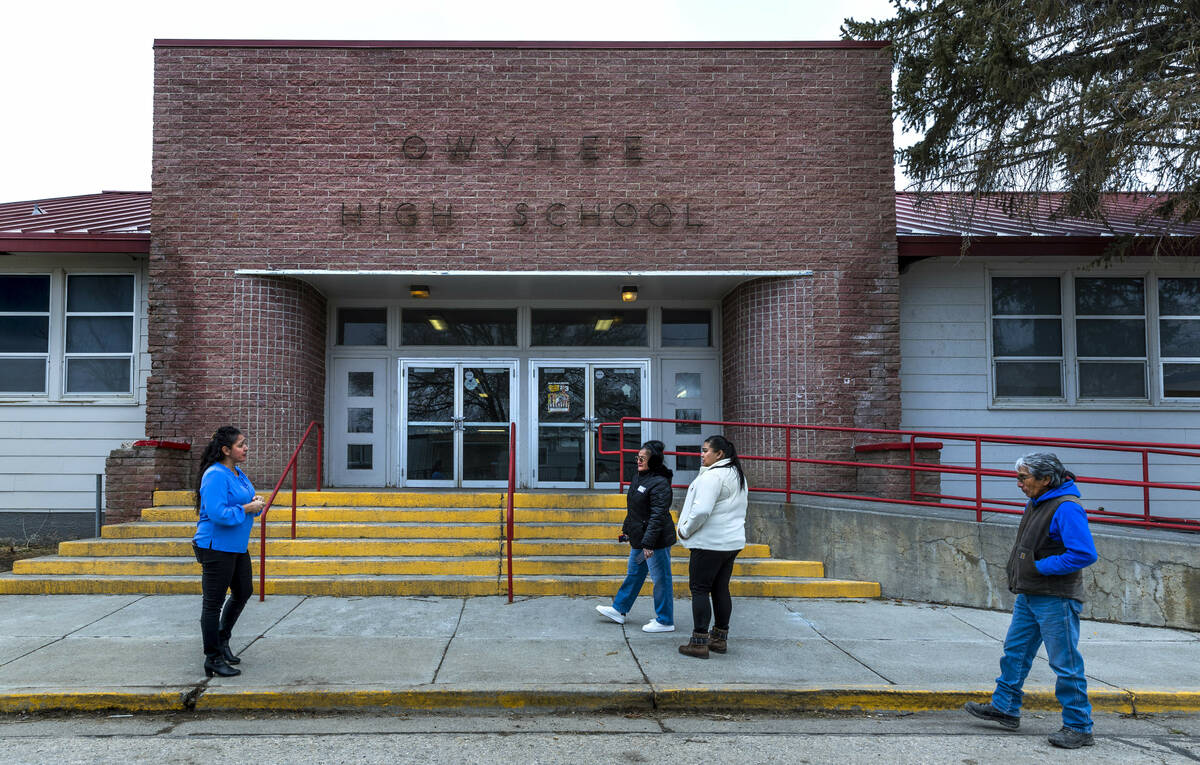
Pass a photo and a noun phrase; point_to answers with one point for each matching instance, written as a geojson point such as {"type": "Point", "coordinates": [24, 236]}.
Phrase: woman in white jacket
{"type": "Point", "coordinates": [712, 525]}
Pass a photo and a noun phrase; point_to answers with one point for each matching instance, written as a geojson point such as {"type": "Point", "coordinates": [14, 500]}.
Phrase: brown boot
{"type": "Point", "coordinates": [697, 646]}
{"type": "Point", "coordinates": [716, 643]}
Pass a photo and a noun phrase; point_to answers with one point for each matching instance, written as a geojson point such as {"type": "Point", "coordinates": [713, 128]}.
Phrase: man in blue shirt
{"type": "Point", "coordinates": [1045, 570]}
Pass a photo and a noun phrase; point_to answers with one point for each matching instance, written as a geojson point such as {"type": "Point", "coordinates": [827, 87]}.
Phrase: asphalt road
{"type": "Point", "coordinates": [713, 739]}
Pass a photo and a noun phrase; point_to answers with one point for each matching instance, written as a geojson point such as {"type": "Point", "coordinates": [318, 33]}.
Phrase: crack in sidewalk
{"type": "Point", "coordinates": [833, 643]}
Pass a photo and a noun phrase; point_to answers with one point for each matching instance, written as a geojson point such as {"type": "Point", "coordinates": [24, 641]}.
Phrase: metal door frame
{"type": "Point", "coordinates": [590, 421]}
{"type": "Point", "coordinates": [458, 364]}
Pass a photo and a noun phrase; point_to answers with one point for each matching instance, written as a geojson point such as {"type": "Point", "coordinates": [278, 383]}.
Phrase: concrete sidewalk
{"type": "Point", "coordinates": [142, 653]}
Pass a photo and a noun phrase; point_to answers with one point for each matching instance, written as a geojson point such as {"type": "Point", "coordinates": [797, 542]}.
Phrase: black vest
{"type": "Point", "coordinates": [1033, 544]}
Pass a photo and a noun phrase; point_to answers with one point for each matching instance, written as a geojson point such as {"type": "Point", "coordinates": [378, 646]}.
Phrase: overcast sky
{"type": "Point", "coordinates": [78, 74]}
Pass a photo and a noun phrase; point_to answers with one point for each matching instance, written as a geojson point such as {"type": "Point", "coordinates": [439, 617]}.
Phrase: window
{"type": "Point", "coordinates": [24, 333]}
{"type": "Point", "coordinates": [1083, 338]}
{"type": "Point", "coordinates": [1179, 337]}
{"type": "Point", "coordinates": [362, 326]}
{"type": "Point", "coordinates": [686, 328]}
{"type": "Point", "coordinates": [99, 333]}
{"type": "Point", "coordinates": [1110, 337]}
{"type": "Point", "coordinates": [588, 327]}
{"type": "Point", "coordinates": [473, 327]}
{"type": "Point", "coordinates": [1027, 337]}
{"type": "Point", "coordinates": [64, 334]}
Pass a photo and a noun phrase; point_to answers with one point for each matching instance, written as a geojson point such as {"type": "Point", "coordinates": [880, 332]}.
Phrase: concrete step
{"type": "Point", "coordinates": [481, 499]}
{"type": "Point", "coordinates": [393, 530]}
{"type": "Point", "coordinates": [365, 566]}
{"type": "Point", "coordinates": [347, 548]}
{"type": "Point", "coordinates": [592, 547]}
{"type": "Point", "coordinates": [56, 565]}
{"type": "Point", "coordinates": [462, 531]}
{"type": "Point", "coordinates": [344, 586]}
{"type": "Point", "coordinates": [406, 515]}
{"type": "Point", "coordinates": [403, 543]}
{"type": "Point", "coordinates": [356, 547]}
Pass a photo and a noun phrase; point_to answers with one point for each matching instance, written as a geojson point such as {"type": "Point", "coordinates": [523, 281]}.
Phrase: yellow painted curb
{"type": "Point", "coordinates": [92, 701]}
{"type": "Point", "coordinates": [1147, 702]}
{"type": "Point", "coordinates": [577, 698]}
{"type": "Point", "coordinates": [865, 699]}
{"type": "Point", "coordinates": [220, 699]}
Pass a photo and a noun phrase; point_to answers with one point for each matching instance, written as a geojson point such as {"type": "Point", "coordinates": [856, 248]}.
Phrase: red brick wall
{"type": "Point", "coordinates": [784, 156]}
{"type": "Point", "coordinates": [132, 474]}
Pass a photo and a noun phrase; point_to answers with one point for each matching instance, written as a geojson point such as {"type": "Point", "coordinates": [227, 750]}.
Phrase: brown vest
{"type": "Point", "coordinates": [1034, 543]}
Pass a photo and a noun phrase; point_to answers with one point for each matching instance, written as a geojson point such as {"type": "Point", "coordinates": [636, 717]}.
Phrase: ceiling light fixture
{"type": "Point", "coordinates": [628, 293]}
{"type": "Point", "coordinates": [418, 290]}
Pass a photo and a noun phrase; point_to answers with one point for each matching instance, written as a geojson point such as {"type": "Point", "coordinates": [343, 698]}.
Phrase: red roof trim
{"type": "Point", "coordinates": [523, 44]}
{"type": "Point", "coordinates": [134, 244]}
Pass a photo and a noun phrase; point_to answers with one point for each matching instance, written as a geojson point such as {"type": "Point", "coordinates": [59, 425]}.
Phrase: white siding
{"type": "Point", "coordinates": [944, 373]}
{"type": "Point", "coordinates": [51, 452]}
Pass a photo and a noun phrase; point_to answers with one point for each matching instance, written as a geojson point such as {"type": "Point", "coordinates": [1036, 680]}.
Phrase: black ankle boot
{"type": "Point", "coordinates": [227, 654]}
{"type": "Point", "coordinates": [216, 665]}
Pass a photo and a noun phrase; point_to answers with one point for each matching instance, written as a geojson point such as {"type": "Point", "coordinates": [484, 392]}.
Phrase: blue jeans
{"type": "Point", "coordinates": [659, 568]}
{"type": "Point", "coordinates": [1054, 621]}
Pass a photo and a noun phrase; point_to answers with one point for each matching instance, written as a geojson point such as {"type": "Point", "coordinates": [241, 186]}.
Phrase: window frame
{"type": "Point", "coordinates": [49, 353]}
{"type": "Point", "coordinates": [1071, 359]}
{"type": "Point", "coordinates": [1080, 359]}
{"type": "Point", "coordinates": [1156, 333]}
{"type": "Point", "coordinates": [56, 357]}
{"type": "Point", "coordinates": [1061, 359]}
{"type": "Point", "coordinates": [67, 356]}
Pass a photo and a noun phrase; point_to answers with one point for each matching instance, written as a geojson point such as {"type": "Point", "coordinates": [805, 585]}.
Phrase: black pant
{"type": "Point", "coordinates": [708, 576]}
{"type": "Point", "coordinates": [222, 572]}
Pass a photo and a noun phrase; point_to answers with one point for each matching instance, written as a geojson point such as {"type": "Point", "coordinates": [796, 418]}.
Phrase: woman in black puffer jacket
{"type": "Point", "coordinates": [651, 532]}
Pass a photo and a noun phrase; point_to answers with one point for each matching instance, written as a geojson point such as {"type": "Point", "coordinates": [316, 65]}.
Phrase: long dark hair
{"type": "Point", "coordinates": [656, 463]}
{"type": "Point", "coordinates": [725, 446]}
{"type": "Point", "coordinates": [226, 435]}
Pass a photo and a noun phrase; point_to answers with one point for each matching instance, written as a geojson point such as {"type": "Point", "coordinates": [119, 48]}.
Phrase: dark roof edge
{"type": "Point", "coordinates": [130, 244]}
{"type": "Point", "coordinates": [529, 44]}
{"type": "Point", "coordinates": [926, 246]}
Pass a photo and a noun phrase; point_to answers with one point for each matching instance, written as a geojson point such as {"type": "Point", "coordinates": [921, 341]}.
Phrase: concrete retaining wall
{"type": "Point", "coordinates": [943, 556]}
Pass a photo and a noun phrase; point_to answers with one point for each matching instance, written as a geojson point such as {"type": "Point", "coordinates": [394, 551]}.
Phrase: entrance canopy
{"type": "Point", "coordinates": [527, 285]}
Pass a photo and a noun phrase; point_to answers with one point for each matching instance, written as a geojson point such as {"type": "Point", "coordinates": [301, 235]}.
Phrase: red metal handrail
{"type": "Point", "coordinates": [978, 471]}
{"type": "Point", "coordinates": [512, 488]}
{"type": "Point", "coordinates": [292, 467]}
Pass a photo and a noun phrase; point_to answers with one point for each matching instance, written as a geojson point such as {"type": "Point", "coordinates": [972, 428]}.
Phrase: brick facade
{"type": "Point", "coordinates": [498, 158]}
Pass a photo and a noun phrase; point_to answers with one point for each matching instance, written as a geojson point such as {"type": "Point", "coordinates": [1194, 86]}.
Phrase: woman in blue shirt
{"type": "Point", "coordinates": [227, 506]}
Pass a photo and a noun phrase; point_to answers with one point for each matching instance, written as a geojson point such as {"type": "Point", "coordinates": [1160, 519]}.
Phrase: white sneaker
{"type": "Point", "coordinates": [657, 626]}
{"type": "Point", "coordinates": [612, 613]}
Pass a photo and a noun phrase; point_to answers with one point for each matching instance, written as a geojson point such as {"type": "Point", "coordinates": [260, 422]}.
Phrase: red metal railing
{"type": "Point", "coordinates": [512, 488]}
{"type": "Point", "coordinates": [293, 469]}
{"type": "Point", "coordinates": [978, 503]}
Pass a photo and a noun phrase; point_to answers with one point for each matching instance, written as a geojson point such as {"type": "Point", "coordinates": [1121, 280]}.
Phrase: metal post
{"type": "Point", "coordinates": [99, 502]}
{"type": "Point", "coordinates": [262, 558]}
{"type": "Point", "coordinates": [295, 471]}
{"type": "Point", "coordinates": [978, 480]}
{"type": "Point", "coordinates": [319, 458]}
{"type": "Point", "coordinates": [1145, 488]}
{"type": "Point", "coordinates": [912, 474]}
{"type": "Point", "coordinates": [787, 452]}
{"type": "Point", "coordinates": [512, 487]}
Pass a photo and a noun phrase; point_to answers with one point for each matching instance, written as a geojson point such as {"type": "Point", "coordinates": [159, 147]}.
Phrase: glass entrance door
{"type": "Point", "coordinates": [455, 420]}
{"type": "Point", "coordinates": [571, 400]}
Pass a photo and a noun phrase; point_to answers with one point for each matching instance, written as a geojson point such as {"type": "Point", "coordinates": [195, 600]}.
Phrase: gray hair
{"type": "Point", "coordinates": [1045, 465]}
